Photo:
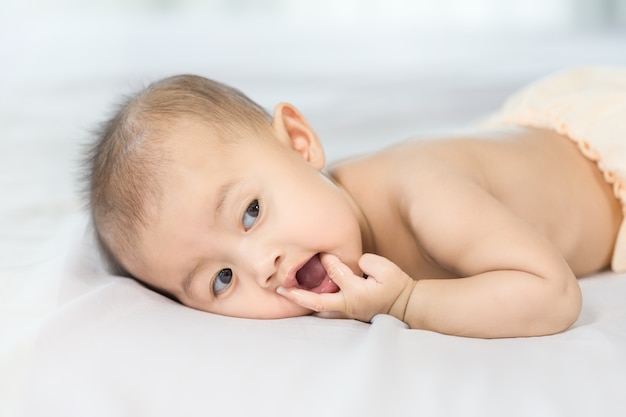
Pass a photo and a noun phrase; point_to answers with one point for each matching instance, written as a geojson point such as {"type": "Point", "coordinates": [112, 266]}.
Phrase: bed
{"type": "Point", "coordinates": [78, 341]}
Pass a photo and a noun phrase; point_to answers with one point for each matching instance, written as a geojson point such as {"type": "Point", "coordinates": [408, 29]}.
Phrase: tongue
{"type": "Point", "coordinates": [312, 274]}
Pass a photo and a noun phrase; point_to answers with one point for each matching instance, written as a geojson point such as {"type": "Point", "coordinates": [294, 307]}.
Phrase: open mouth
{"type": "Point", "coordinates": [313, 277]}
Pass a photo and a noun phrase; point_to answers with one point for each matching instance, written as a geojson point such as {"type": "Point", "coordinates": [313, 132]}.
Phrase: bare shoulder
{"type": "Point", "coordinates": [452, 191]}
{"type": "Point", "coordinates": [413, 170]}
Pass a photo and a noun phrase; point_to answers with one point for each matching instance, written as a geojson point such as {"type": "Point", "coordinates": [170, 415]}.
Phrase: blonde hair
{"type": "Point", "coordinates": [125, 162]}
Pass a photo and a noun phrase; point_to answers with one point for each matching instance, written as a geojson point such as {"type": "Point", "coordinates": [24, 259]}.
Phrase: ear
{"type": "Point", "coordinates": [292, 129]}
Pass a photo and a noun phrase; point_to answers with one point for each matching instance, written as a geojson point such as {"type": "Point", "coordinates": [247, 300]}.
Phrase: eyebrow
{"type": "Point", "coordinates": [188, 280]}
{"type": "Point", "coordinates": [222, 193]}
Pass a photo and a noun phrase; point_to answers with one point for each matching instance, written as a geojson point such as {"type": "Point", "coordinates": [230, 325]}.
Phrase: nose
{"type": "Point", "coordinates": [259, 260]}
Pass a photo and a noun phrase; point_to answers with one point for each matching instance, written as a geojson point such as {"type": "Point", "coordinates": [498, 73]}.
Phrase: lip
{"type": "Point", "coordinates": [290, 279]}
{"type": "Point", "coordinates": [327, 285]}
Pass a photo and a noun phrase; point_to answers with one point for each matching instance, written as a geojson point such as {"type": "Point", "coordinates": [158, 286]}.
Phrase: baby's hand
{"type": "Point", "coordinates": [386, 290]}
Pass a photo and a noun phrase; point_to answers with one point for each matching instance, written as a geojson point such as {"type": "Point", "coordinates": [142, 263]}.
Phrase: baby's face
{"type": "Point", "coordinates": [238, 220]}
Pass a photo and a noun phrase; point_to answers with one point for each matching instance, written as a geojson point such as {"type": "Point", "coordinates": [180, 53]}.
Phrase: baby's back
{"type": "Point", "coordinates": [538, 175]}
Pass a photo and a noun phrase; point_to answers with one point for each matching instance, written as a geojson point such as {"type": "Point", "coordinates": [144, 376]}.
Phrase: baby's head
{"type": "Point", "coordinates": [130, 158]}
{"type": "Point", "coordinates": [200, 194]}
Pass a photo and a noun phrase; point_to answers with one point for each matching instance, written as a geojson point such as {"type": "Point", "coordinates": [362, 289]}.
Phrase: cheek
{"type": "Point", "coordinates": [281, 309]}
{"type": "Point", "coordinates": [320, 205]}
{"type": "Point", "coordinates": [313, 212]}
{"type": "Point", "coordinates": [258, 303]}
{"type": "Point", "coordinates": [323, 227]}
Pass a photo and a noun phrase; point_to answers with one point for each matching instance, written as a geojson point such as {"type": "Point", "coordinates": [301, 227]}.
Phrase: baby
{"type": "Point", "coordinates": [199, 194]}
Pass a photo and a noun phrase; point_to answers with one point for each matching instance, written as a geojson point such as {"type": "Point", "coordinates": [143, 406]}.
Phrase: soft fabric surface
{"type": "Point", "coordinates": [75, 341]}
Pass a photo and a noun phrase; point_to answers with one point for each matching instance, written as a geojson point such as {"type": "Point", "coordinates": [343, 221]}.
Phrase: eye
{"type": "Point", "coordinates": [251, 214]}
{"type": "Point", "coordinates": [222, 280]}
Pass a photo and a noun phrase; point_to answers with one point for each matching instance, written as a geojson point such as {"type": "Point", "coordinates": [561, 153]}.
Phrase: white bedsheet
{"type": "Point", "coordinates": [75, 341]}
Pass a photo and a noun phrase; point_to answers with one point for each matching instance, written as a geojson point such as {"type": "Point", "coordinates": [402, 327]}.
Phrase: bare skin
{"type": "Point", "coordinates": [535, 174]}
{"type": "Point", "coordinates": [478, 234]}
{"type": "Point", "coordinates": [518, 212]}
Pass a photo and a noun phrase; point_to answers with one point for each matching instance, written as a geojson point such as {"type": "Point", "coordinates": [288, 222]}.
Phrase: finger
{"type": "Point", "coordinates": [336, 270]}
{"type": "Point", "coordinates": [376, 266]}
{"type": "Point", "coordinates": [313, 301]}
{"type": "Point", "coordinates": [331, 315]}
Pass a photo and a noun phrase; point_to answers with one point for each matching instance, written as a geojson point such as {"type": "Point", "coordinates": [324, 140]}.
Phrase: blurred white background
{"type": "Point", "coordinates": [504, 13]}
{"type": "Point", "coordinates": [126, 43]}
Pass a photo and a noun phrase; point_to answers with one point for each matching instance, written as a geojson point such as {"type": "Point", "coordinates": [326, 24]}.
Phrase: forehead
{"type": "Point", "coordinates": [178, 136]}
{"type": "Point", "coordinates": [193, 129]}
{"type": "Point", "coordinates": [200, 162]}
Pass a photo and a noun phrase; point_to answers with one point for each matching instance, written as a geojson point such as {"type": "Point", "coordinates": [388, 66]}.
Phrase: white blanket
{"type": "Point", "coordinates": [75, 341]}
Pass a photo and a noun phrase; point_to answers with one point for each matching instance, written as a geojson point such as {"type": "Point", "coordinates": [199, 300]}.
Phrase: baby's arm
{"type": "Point", "coordinates": [515, 282]}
